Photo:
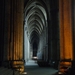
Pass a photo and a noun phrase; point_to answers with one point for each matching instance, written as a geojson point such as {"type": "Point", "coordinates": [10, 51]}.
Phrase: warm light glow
{"type": "Point", "coordinates": [63, 66]}
{"type": "Point", "coordinates": [65, 34]}
{"type": "Point", "coordinates": [60, 73]}
{"type": "Point", "coordinates": [65, 30]}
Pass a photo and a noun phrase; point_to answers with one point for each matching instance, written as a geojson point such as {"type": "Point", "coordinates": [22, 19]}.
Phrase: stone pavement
{"type": "Point", "coordinates": [36, 70]}
{"type": "Point", "coordinates": [32, 68]}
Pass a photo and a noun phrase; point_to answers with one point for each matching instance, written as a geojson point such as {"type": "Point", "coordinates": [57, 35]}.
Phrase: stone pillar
{"type": "Point", "coordinates": [13, 30]}
{"type": "Point", "coordinates": [66, 46]}
{"type": "Point", "coordinates": [65, 29]}
{"type": "Point", "coordinates": [26, 45]}
{"type": "Point", "coordinates": [54, 33]}
{"type": "Point", "coordinates": [73, 33]}
{"type": "Point", "coordinates": [4, 31]}
{"type": "Point", "coordinates": [2, 23]}
{"type": "Point", "coordinates": [18, 6]}
{"type": "Point", "coordinates": [73, 27]}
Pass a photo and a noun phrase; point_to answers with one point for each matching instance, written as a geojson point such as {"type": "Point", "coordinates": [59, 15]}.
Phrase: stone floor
{"type": "Point", "coordinates": [36, 70]}
{"type": "Point", "coordinates": [6, 71]}
{"type": "Point", "coordinates": [32, 68]}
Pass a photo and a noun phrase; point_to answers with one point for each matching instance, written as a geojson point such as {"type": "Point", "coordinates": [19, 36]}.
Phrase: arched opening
{"type": "Point", "coordinates": [36, 31]}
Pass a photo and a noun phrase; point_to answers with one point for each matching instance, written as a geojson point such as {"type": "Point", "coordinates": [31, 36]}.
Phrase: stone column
{"type": "Point", "coordinates": [14, 27]}
{"type": "Point", "coordinates": [66, 46]}
{"type": "Point", "coordinates": [18, 6]}
{"type": "Point", "coordinates": [65, 29]}
{"type": "Point", "coordinates": [73, 27]}
{"type": "Point", "coordinates": [2, 24]}
{"type": "Point", "coordinates": [54, 32]}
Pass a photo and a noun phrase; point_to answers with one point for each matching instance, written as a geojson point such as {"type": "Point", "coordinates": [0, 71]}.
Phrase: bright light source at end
{"type": "Point", "coordinates": [35, 57]}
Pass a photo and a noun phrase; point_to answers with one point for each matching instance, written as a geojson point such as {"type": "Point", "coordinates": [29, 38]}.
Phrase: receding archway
{"type": "Point", "coordinates": [36, 29]}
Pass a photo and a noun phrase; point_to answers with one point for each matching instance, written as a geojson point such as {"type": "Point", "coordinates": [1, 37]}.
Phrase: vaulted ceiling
{"type": "Point", "coordinates": [35, 19]}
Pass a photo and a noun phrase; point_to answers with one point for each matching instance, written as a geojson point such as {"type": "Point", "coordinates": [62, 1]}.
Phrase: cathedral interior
{"type": "Point", "coordinates": [39, 30]}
